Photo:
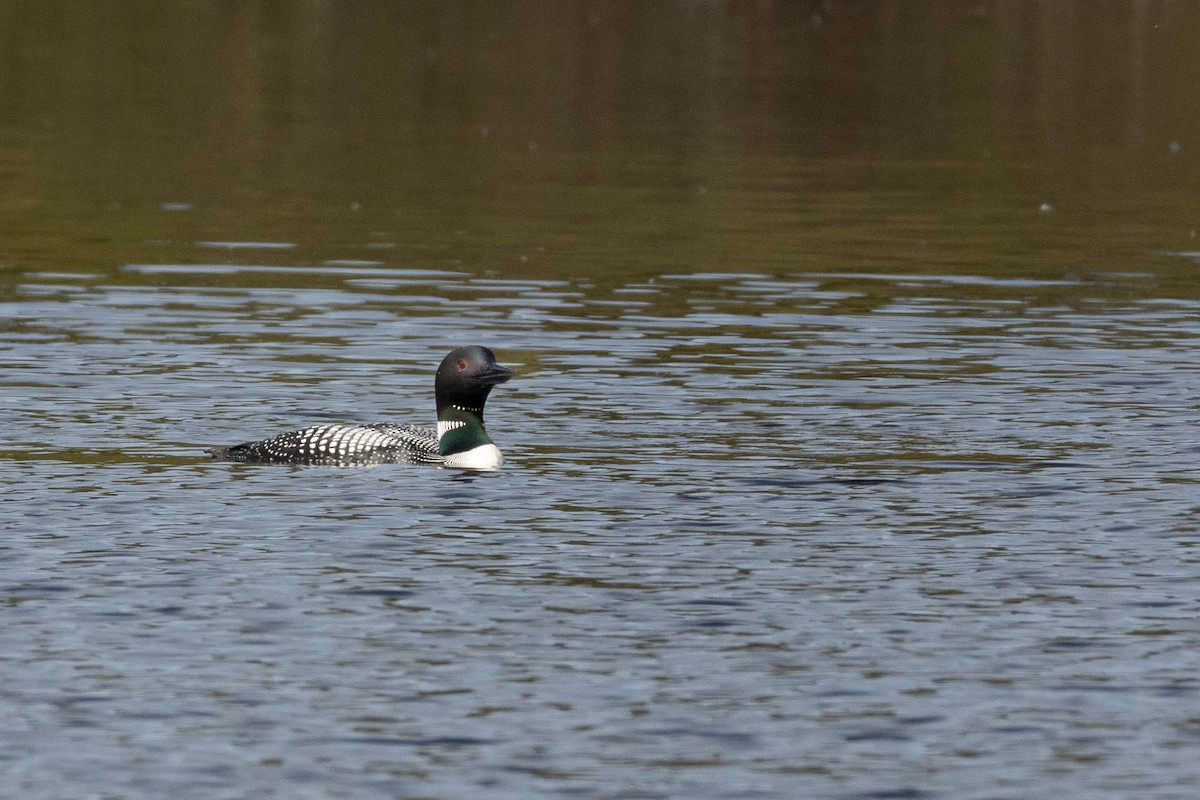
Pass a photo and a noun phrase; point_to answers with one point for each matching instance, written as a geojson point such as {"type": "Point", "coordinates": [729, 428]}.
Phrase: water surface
{"type": "Point", "coordinates": [851, 452]}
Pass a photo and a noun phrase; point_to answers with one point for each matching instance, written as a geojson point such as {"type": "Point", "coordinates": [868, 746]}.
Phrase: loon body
{"type": "Point", "coordinates": [464, 380]}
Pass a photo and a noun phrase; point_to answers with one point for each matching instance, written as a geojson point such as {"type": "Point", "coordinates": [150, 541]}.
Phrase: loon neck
{"type": "Point", "coordinates": [460, 429]}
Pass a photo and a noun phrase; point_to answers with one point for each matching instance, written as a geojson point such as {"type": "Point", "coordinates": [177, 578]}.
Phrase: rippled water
{"type": "Point", "coordinates": [851, 452]}
{"type": "Point", "coordinates": [761, 535]}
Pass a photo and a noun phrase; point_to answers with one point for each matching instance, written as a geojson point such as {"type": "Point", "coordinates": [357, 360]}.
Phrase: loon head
{"type": "Point", "coordinates": [464, 380]}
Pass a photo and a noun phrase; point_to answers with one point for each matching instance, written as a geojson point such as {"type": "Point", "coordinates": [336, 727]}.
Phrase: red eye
{"type": "Point", "coordinates": [462, 365]}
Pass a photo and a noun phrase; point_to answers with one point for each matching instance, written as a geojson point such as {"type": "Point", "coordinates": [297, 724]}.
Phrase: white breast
{"type": "Point", "coordinates": [486, 456]}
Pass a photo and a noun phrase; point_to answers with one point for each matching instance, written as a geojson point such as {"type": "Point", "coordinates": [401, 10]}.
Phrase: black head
{"type": "Point", "coordinates": [465, 378]}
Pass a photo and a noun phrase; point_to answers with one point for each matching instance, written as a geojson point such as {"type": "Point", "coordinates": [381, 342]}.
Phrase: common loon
{"type": "Point", "coordinates": [461, 387]}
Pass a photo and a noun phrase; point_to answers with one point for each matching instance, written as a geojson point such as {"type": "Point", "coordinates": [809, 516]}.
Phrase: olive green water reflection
{"type": "Point", "coordinates": [602, 138]}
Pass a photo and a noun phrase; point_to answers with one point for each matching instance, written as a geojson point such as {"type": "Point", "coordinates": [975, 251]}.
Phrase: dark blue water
{"type": "Point", "coordinates": [745, 545]}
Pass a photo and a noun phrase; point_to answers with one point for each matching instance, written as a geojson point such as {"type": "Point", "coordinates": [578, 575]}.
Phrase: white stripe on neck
{"type": "Point", "coordinates": [444, 426]}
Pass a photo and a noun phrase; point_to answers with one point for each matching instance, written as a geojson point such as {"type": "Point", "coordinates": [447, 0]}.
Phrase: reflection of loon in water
{"type": "Point", "coordinates": [461, 388]}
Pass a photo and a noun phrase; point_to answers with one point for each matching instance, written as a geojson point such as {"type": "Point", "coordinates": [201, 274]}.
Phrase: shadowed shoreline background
{"type": "Point", "coordinates": [487, 133]}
